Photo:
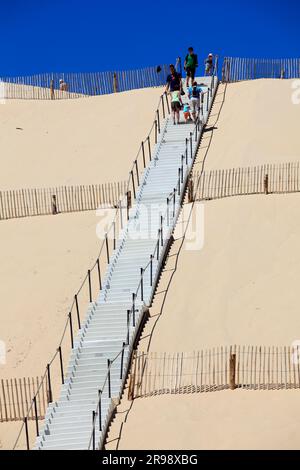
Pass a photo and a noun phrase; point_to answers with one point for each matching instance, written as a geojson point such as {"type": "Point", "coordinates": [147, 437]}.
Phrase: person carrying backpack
{"type": "Point", "coordinates": [190, 65]}
{"type": "Point", "coordinates": [194, 93]}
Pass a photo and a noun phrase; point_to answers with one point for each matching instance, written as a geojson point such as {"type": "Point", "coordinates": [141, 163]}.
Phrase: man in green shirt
{"type": "Point", "coordinates": [190, 65]}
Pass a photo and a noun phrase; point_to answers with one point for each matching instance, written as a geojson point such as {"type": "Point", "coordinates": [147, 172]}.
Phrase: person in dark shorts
{"type": "Point", "coordinates": [190, 65]}
{"type": "Point", "coordinates": [176, 104]}
{"type": "Point", "coordinates": [173, 80]}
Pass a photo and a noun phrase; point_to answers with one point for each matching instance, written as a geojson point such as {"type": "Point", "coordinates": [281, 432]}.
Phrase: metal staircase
{"type": "Point", "coordinates": [100, 358]}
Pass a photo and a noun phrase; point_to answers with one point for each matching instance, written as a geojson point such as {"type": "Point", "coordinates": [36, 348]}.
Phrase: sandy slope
{"type": "Point", "coordinates": [258, 124]}
{"type": "Point", "coordinates": [81, 141]}
{"type": "Point", "coordinates": [240, 288]}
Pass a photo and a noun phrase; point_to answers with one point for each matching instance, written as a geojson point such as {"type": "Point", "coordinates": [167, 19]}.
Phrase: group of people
{"type": "Point", "coordinates": [194, 91]}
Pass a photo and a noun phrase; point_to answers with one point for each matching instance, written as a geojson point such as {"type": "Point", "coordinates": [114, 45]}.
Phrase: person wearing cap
{"type": "Point", "coordinates": [63, 85]}
{"type": "Point", "coordinates": [173, 80]}
{"type": "Point", "coordinates": [209, 64]}
{"type": "Point", "coordinates": [190, 65]}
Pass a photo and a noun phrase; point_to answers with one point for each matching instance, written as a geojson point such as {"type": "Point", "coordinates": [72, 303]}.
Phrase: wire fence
{"type": "Point", "coordinates": [220, 368]}
{"type": "Point", "coordinates": [45, 201]}
{"type": "Point", "coordinates": [54, 86]}
{"type": "Point", "coordinates": [16, 395]}
{"type": "Point", "coordinates": [236, 69]}
{"type": "Point", "coordinates": [264, 179]}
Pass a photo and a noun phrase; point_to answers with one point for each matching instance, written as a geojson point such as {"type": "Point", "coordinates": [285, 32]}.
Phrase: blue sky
{"type": "Point", "coordinates": [93, 35]}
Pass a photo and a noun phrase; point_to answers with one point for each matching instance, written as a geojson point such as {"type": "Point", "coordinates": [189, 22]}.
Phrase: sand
{"type": "Point", "coordinates": [240, 288]}
{"type": "Point", "coordinates": [255, 122]}
{"type": "Point", "coordinates": [44, 259]}
{"type": "Point", "coordinates": [80, 141]}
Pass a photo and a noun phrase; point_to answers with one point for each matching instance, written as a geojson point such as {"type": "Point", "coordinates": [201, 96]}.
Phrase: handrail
{"type": "Point", "coordinates": [197, 133]}
{"type": "Point", "coordinates": [103, 247]}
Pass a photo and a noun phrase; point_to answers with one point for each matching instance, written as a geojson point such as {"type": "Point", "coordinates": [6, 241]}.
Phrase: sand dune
{"type": "Point", "coordinates": [240, 288]}
{"type": "Point", "coordinates": [80, 141]}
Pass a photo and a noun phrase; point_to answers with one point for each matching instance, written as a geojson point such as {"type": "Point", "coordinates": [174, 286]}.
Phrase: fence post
{"type": "Point", "coordinates": [168, 106]}
{"type": "Point", "coordinates": [133, 309]}
{"type": "Point", "coordinates": [115, 83]}
{"type": "Point", "coordinates": [151, 270]}
{"type": "Point", "coordinates": [128, 325]}
{"type": "Point", "coordinates": [142, 285]}
{"type": "Point", "coordinates": [191, 190]}
{"type": "Point", "coordinates": [128, 194]}
{"type": "Point", "coordinates": [158, 120]}
{"type": "Point", "coordinates": [155, 122]}
{"type": "Point", "coordinates": [168, 212]}
{"type": "Point", "coordinates": [122, 361]}
{"type": "Point", "coordinates": [26, 432]}
{"type": "Point", "coordinates": [77, 310]}
{"type": "Point", "coordinates": [137, 172]}
{"type": "Point", "coordinates": [232, 362]}
{"type": "Point", "coordinates": [99, 273]}
{"type": "Point", "coordinates": [36, 416]}
{"type": "Point", "coordinates": [93, 421]}
{"type": "Point", "coordinates": [109, 384]}
{"type": "Point", "coordinates": [133, 184]}
{"type": "Point", "coordinates": [266, 184]}
{"type": "Point", "coordinates": [61, 365]}
{"type": "Point", "coordinates": [143, 151]}
{"type": "Point", "coordinates": [179, 179]}
{"type": "Point", "coordinates": [49, 384]}
{"type": "Point", "coordinates": [54, 205]}
{"type": "Point", "coordinates": [161, 231]}
{"type": "Point", "coordinates": [71, 329]}
{"type": "Point", "coordinates": [90, 286]}
{"type": "Point", "coordinates": [52, 89]}
{"type": "Point", "coordinates": [100, 409]}
{"type": "Point", "coordinates": [191, 144]}
{"type": "Point", "coordinates": [107, 248]}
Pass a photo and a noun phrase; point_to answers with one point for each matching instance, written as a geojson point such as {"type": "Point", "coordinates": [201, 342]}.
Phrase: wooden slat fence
{"type": "Point", "coordinates": [264, 179]}
{"type": "Point", "coordinates": [16, 398]}
{"type": "Point", "coordinates": [31, 202]}
{"type": "Point", "coordinates": [235, 68]}
{"type": "Point", "coordinates": [208, 370]}
{"type": "Point", "coordinates": [77, 85]}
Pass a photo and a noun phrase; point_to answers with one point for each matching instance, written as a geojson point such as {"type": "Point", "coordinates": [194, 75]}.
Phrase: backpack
{"type": "Point", "coordinates": [195, 92]}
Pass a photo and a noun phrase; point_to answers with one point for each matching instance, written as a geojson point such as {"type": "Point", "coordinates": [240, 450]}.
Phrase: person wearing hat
{"type": "Point", "coordinates": [62, 85]}
{"type": "Point", "coordinates": [209, 64]}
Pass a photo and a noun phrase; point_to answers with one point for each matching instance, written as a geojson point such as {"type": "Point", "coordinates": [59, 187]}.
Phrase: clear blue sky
{"type": "Point", "coordinates": [95, 35]}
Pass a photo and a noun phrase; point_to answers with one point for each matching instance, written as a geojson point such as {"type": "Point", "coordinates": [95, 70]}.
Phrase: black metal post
{"type": "Point", "coordinates": [168, 106]}
{"type": "Point", "coordinates": [94, 437]}
{"type": "Point", "coordinates": [196, 130]}
{"type": "Point", "coordinates": [149, 147]}
{"type": "Point", "coordinates": [179, 178]}
{"type": "Point", "coordinates": [71, 329]}
{"type": "Point", "coordinates": [168, 211]}
{"type": "Point", "coordinates": [207, 100]}
{"type": "Point", "coordinates": [158, 243]}
{"type": "Point", "coordinates": [49, 384]}
{"type": "Point", "coordinates": [90, 285]}
{"type": "Point", "coordinates": [109, 384]}
{"type": "Point", "coordinates": [133, 309]}
{"type": "Point", "coordinates": [122, 361]}
{"type": "Point", "coordinates": [155, 130]}
{"type": "Point", "coordinates": [114, 229]}
{"type": "Point", "coordinates": [182, 158]}
{"type": "Point", "coordinates": [158, 120]}
{"type": "Point", "coordinates": [36, 416]}
{"type": "Point", "coordinates": [61, 365]}
{"type": "Point", "coordinates": [163, 106]}
{"type": "Point", "coordinates": [26, 432]}
{"type": "Point", "coordinates": [99, 273]}
{"type": "Point", "coordinates": [186, 150]}
{"type": "Point", "coordinates": [191, 144]}
{"type": "Point", "coordinates": [137, 172]}
{"type": "Point", "coordinates": [128, 321]}
{"type": "Point", "coordinates": [142, 285]}
{"type": "Point", "coordinates": [100, 410]}
{"type": "Point", "coordinates": [143, 151]}
{"type": "Point", "coordinates": [151, 270]}
{"type": "Point", "coordinates": [133, 184]}
{"type": "Point", "coordinates": [174, 195]}
{"type": "Point", "coordinates": [161, 231]}
{"type": "Point", "coordinates": [77, 311]}
{"type": "Point", "coordinates": [107, 248]}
